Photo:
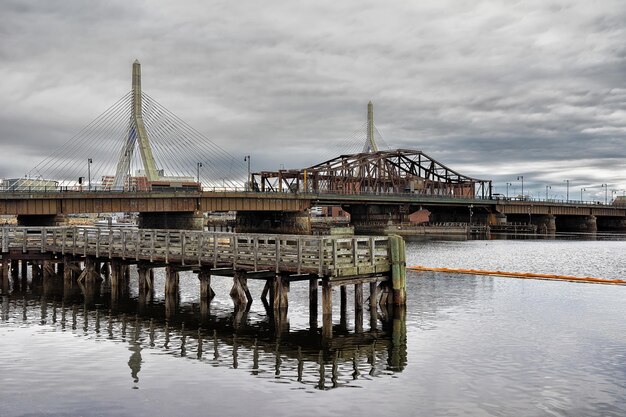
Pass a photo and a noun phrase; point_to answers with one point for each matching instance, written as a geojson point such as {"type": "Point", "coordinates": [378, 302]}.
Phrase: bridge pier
{"type": "Point", "coordinates": [546, 224]}
{"type": "Point", "coordinates": [298, 223]}
{"type": "Point", "coordinates": [183, 220]}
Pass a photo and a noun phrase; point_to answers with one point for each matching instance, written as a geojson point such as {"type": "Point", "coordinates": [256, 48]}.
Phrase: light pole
{"type": "Point", "coordinates": [581, 193]}
{"type": "Point", "coordinates": [548, 187]}
{"type": "Point", "coordinates": [198, 166]}
{"type": "Point", "coordinates": [247, 158]}
{"type": "Point", "coordinates": [521, 177]}
{"type": "Point", "coordinates": [89, 161]}
{"type": "Point", "coordinates": [507, 189]}
{"type": "Point", "coordinates": [567, 191]}
{"type": "Point", "coordinates": [605, 193]}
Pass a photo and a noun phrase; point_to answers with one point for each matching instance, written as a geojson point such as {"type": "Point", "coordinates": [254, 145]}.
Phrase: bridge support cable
{"type": "Point", "coordinates": [133, 144]}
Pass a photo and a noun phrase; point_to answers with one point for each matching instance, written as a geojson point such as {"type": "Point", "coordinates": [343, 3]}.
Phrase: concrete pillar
{"type": "Point", "coordinates": [499, 218]}
{"type": "Point", "coordinates": [591, 224]}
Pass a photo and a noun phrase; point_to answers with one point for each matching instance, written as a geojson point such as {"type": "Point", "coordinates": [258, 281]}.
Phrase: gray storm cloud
{"type": "Point", "coordinates": [495, 89]}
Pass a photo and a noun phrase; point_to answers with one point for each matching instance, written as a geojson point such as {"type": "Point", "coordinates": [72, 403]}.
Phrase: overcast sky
{"type": "Point", "coordinates": [493, 89]}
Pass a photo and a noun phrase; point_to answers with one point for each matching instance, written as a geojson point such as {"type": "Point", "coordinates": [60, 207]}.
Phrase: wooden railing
{"type": "Point", "coordinates": [301, 254]}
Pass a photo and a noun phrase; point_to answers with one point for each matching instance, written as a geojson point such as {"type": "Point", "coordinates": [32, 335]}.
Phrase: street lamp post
{"type": "Point", "coordinates": [247, 158]}
{"type": "Point", "coordinates": [521, 177]}
{"type": "Point", "coordinates": [507, 189]}
{"type": "Point", "coordinates": [548, 187]}
{"type": "Point", "coordinates": [198, 166]}
{"type": "Point", "coordinates": [89, 161]}
{"type": "Point", "coordinates": [605, 193]}
{"type": "Point", "coordinates": [567, 191]}
{"type": "Point", "coordinates": [581, 193]}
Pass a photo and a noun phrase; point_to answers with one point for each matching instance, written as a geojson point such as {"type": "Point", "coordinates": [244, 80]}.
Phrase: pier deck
{"type": "Point", "coordinates": [89, 254]}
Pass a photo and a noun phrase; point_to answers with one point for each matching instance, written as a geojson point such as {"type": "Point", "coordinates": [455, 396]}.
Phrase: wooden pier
{"type": "Point", "coordinates": [88, 254]}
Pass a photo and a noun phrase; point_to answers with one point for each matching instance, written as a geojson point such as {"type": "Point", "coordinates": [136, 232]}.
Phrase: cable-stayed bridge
{"type": "Point", "coordinates": [140, 157]}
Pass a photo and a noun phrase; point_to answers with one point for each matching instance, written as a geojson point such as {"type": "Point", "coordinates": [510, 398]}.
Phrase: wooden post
{"type": "Point", "coordinates": [327, 309]}
{"type": "Point", "coordinates": [343, 307]}
{"type": "Point", "coordinates": [5, 275]}
{"type": "Point", "coordinates": [171, 281]}
{"type": "Point", "coordinates": [89, 274]}
{"type": "Point", "coordinates": [358, 308]}
{"type": "Point", "coordinates": [116, 278]}
{"type": "Point", "coordinates": [281, 291]}
{"type": "Point", "coordinates": [24, 271]}
{"type": "Point", "coordinates": [143, 275]}
{"type": "Point", "coordinates": [397, 251]}
{"type": "Point", "coordinates": [206, 292]}
{"type": "Point", "coordinates": [237, 293]}
{"type": "Point", "coordinates": [313, 302]}
{"type": "Point", "coordinates": [373, 305]}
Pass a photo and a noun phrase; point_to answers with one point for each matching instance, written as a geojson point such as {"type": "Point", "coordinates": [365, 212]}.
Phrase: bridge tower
{"type": "Point", "coordinates": [142, 137]}
{"type": "Point", "coordinates": [370, 143]}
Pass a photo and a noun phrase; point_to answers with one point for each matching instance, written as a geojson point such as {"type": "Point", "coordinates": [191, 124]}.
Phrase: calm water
{"type": "Point", "coordinates": [469, 345]}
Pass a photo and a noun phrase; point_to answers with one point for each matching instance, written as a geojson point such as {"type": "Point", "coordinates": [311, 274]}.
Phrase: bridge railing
{"type": "Point", "coordinates": [300, 254]}
{"type": "Point", "coordinates": [31, 191]}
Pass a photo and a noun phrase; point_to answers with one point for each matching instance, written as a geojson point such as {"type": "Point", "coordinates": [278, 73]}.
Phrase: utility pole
{"type": "Point", "coordinates": [89, 161]}
{"type": "Point", "coordinates": [581, 193]}
{"type": "Point", "coordinates": [548, 187]}
{"type": "Point", "coordinates": [198, 166]}
{"type": "Point", "coordinates": [507, 189]}
{"type": "Point", "coordinates": [247, 158]}
{"type": "Point", "coordinates": [567, 191]}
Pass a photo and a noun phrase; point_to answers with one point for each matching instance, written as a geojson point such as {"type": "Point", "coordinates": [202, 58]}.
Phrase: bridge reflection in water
{"type": "Point", "coordinates": [264, 345]}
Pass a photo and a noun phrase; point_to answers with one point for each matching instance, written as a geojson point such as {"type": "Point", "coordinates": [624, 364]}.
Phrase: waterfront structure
{"type": "Point", "coordinates": [83, 253]}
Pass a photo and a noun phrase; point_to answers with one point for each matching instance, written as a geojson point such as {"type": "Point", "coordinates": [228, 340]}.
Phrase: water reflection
{"type": "Point", "coordinates": [263, 344]}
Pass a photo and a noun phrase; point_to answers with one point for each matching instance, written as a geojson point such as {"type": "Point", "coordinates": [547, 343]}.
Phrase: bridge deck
{"type": "Point", "coordinates": [333, 257]}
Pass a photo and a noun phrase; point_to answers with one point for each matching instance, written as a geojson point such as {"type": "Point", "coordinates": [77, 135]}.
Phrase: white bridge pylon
{"type": "Point", "coordinates": [137, 135]}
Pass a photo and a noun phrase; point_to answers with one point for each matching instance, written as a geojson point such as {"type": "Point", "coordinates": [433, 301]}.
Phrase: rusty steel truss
{"type": "Point", "coordinates": [399, 171]}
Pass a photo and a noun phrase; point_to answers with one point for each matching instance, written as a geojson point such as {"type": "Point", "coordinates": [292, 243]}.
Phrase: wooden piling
{"type": "Point", "coordinates": [206, 292]}
{"type": "Point", "coordinates": [313, 302]}
{"type": "Point", "coordinates": [398, 269]}
{"type": "Point", "coordinates": [358, 307]}
{"type": "Point", "coordinates": [281, 290]}
{"type": "Point", "coordinates": [237, 293]}
{"type": "Point", "coordinates": [327, 309]}
{"type": "Point", "coordinates": [171, 280]}
{"type": "Point", "coordinates": [5, 275]}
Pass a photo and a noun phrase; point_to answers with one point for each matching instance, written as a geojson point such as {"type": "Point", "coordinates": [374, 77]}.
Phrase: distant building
{"type": "Point", "coordinates": [29, 184]}
{"type": "Point", "coordinates": [620, 201]}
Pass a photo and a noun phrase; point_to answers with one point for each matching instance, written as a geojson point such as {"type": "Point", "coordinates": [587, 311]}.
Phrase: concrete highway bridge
{"type": "Point", "coordinates": [288, 212]}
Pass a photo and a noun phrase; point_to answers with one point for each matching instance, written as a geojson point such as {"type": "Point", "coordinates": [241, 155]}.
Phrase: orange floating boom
{"type": "Point", "coordinates": [527, 275]}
